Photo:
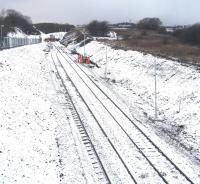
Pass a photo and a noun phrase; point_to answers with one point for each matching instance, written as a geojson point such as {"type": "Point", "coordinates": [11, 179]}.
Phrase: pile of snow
{"type": "Point", "coordinates": [17, 34]}
{"type": "Point", "coordinates": [131, 74]}
{"type": "Point", "coordinates": [113, 34]}
{"type": "Point", "coordinates": [58, 35]}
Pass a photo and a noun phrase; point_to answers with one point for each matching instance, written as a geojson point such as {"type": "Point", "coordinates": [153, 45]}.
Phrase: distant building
{"type": "Point", "coordinates": [123, 25]}
{"type": "Point", "coordinates": [171, 29]}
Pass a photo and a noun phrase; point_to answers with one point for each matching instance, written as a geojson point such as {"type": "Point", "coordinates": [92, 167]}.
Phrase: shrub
{"type": "Point", "coordinates": [162, 30]}
{"type": "Point", "coordinates": [189, 35]}
{"type": "Point", "coordinates": [143, 33]}
{"type": "Point", "coordinates": [165, 40]}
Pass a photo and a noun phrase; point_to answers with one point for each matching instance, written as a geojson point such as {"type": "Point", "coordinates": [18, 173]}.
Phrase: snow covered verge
{"type": "Point", "coordinates": [36, 141]}
{"type": "Point", "coordinates": [130, 74]}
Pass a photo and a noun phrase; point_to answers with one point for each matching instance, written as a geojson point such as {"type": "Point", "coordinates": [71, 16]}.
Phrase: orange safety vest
{"type": "Point", "coordinates": [81, 59]}
{"type": "Point", "coordinates": [87, 60]}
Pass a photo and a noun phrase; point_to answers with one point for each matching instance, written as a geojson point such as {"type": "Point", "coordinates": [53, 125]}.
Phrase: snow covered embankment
{"type": "Point", "coordinates": [30, 120]}
{"type": "Point", "coordinates": [27, 142]}
{"type": "Point", "coordinates": [131, 74]}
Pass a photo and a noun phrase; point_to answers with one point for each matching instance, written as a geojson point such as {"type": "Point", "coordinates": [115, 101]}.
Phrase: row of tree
{"type": "Point", "coordinates": [53, 27]}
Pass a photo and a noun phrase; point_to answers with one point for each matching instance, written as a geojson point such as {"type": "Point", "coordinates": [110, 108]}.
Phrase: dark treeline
{"type": "Point", "coordinates": [11, 19]}
{"type": "Point", "coordinates": [53, 27]}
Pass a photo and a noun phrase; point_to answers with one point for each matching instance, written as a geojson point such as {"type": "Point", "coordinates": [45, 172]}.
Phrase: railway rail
{"type": "Point", "coordinates": [96, 162]}
{"type": "Point", "coordinates": [162, 167]}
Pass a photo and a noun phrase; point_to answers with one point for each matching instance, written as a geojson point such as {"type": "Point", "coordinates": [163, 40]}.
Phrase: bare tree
{"type": "Point", "coordinates": [97, 28]}
{"type": "Point", "coordinates": [53, 27]}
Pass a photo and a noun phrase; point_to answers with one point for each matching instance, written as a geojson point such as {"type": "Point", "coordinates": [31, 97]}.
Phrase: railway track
{"type": "Point", "coordinates": [163, 169]}
{"type": "Point", "coordinates": [96, 162]}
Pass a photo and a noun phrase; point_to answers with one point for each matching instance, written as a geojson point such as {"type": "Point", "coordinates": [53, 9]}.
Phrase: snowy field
{"type": "Point", "coordinates": [130, 75]}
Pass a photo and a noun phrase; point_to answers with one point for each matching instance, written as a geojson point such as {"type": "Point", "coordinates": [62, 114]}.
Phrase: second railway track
{"type": "Point", "coordinates": [136, 147]}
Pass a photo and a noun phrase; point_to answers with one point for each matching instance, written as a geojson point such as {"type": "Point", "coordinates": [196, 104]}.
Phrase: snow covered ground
{"type": "Point", "coordinates": [117, 136]}
{"type": "Point", "coordinates": [130, 75]}
{"type": "Point", "coordinates": [37, 144]}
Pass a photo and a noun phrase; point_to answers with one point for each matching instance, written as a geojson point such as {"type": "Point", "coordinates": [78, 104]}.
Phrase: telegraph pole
{"type": "Point", "coordinates": [84, 44]}
{"type": "Point", "coordinates": [2, 30]}
{"type": "Point", "coordinates": [1, 42]}
{"type": "Point", "coordinates": [105, 72]}
{"type": "Point", "coordinates": [155, 90]}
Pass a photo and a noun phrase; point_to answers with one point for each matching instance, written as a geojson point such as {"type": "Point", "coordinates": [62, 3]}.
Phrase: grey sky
{"type": "Point", "coordinates": [171, 12]}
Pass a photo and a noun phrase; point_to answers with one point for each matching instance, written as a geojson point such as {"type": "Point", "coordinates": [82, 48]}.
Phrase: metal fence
{"type": "Point", "coordinates": [10, 42]}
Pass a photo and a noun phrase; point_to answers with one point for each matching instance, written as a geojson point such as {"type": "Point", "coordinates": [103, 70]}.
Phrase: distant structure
{"type": "Point", "coordinates": [171, 29]}
{"type": "Point", "coordinates": [122, 25]}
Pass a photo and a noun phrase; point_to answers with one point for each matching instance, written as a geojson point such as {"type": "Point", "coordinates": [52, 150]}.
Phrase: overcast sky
{"type": "Point", "coordinates": [171, 12]}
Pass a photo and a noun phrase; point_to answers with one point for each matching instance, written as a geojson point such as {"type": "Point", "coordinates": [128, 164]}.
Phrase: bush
{"type": "Point", "coordinates": [165, 40]}
{"type": "Point", "coordinates": [149, 23]}
{"type": "Point", "coordinates": [143, 33]}
{"type": "Point", "coordinates": [189, 35]}
{"type": "Point", "coordinates": [97, 28]}
{"type": "Point", "coordinates": [162, 30]}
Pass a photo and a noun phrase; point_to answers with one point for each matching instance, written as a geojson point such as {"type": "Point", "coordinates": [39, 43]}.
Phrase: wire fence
{"type": "Point", "coordinates": [11, 42]}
